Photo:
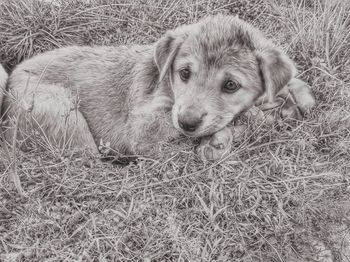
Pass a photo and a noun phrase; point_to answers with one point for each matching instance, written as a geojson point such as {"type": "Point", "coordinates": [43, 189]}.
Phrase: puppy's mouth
{"type": "Point", "coordinates": [205, 129]}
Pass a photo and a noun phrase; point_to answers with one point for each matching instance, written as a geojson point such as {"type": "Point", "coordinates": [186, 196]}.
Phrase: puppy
{"type": "Point", "coordinates": [195, 80]}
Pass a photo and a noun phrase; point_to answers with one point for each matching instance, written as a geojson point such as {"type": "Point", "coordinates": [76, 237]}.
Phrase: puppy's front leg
{"type": "Point", "coordinates": [219, 144]}
{"type": "Point", "coordinates": [292, 101]}
{"type": "Point", "coordinates": [150, 126]}
{"type": "Point", "coordinates": [215, 146]}
{"type": "Point", "coordinates": [298, 97]}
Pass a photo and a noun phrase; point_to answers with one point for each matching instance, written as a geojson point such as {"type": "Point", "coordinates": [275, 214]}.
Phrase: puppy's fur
{"type": "Point", "coordinates": [3, 80]}
{"type": "Point", "coordinates": [132, 97]}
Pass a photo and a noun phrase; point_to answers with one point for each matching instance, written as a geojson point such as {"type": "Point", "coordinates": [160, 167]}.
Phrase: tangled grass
{"type": "Point", "coordinates": [281, 195]}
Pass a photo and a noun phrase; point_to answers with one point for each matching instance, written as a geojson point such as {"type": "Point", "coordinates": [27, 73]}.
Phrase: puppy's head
{"type": "Point", "coordinates": [218, 68]}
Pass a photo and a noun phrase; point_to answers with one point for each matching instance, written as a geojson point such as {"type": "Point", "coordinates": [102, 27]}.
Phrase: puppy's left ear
{"type": "Point", "coordinates": [276, 69]}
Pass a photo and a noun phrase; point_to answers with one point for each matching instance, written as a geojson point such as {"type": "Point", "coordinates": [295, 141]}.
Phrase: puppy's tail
{"type": "Point", "coordinates": [3, 81]}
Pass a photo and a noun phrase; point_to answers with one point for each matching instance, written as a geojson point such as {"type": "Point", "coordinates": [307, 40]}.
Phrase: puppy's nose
{"type": "Point", "coordinates": [190, 123]}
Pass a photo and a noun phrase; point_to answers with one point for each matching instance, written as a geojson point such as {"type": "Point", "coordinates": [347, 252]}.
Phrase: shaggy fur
{"type": "Point", "coordinates": [3, 79]}
{"type": "Point", "coordinates": [132, 97]}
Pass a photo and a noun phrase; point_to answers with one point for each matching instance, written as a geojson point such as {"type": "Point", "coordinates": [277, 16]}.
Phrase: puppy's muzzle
{"type": "Point", "coordinates": [190, 119]}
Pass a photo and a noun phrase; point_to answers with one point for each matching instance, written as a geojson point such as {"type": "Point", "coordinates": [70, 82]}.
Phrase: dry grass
{"type": "Point", "coordinates": [281, 195]}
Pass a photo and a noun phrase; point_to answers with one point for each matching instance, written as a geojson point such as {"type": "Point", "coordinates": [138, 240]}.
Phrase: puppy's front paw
{"type": "Point", "coordinates": [290, 109]}
{"type": "Point", "coordinates": [298, 99]}
{"type": "Point", "coordinates": [215, 146]}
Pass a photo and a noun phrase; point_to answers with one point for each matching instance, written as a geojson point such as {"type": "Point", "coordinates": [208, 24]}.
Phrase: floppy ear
{"type": "Point", "coordinates": [276, 70]}
{"type": "Point", "coordinates": [165, 52]}
{"type": "Point", "coordinates": [168, 46]}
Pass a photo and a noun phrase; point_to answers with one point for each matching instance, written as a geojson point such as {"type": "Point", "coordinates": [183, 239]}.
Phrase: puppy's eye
{"type": "Point", "coordinates": [185, 74]}
{"type": "Point", "coordinates": [230, 86]}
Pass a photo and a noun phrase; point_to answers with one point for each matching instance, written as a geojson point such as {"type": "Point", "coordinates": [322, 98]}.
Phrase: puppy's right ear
{"type": "Point", "coordinates": [165, 52]}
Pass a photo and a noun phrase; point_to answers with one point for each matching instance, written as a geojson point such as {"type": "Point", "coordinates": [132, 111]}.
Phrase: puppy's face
{"type": "Point", "coordinates": [217, 68]}
{"type": "Point", "coordinates": [211, 87]}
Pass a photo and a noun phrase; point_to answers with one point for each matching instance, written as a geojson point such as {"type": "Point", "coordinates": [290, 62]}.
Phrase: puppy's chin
{"type": "Point", "coordinates": [213, 124]}
{"type": "Point", "coordinates": [195, 134]}
{"type": "Point", "coordinates": [209, 129]}
{"type": "Point", "coordinates": [203, 130]}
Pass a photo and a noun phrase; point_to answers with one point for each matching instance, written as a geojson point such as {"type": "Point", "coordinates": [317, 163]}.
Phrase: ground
{"type": "Point", "coordinates": [281, 195]}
